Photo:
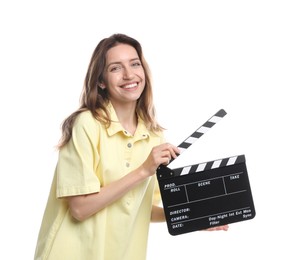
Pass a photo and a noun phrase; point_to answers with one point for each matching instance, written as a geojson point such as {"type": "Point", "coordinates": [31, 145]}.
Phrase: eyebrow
{"type": "Point", "coordinates": [119, 62]}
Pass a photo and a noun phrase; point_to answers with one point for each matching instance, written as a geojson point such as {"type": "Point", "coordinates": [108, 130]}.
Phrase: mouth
{"type": "Point", "coordinates": [129, 86]}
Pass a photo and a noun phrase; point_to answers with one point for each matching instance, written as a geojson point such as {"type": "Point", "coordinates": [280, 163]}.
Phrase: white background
{"type": "Point", "coordinates": [204, 55]}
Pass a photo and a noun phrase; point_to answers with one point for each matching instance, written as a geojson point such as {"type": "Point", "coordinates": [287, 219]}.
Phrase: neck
{"type": "Point", "coordinates": [127, 116]}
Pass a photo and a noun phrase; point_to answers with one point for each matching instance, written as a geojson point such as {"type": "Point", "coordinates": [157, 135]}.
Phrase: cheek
{"type": "Point", "coordinates": [113, 79]}
{"type": "Point", "coordinates": [141, 74]}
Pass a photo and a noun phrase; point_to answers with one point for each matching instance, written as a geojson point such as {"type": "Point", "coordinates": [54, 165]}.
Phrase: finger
{"type": "Point", "coordinates": [166, 154]}
{"type": "Point", "coordinates": [166, 160]}
{"type": "Point", "coordinates": [218, 228]}
{"type": "Point", "coordinates": [171, 150]}
{"type": "Point", "coordinates": [174, 151]}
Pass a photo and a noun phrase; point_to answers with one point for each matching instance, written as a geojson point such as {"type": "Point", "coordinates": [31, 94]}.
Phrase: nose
{"type": "Point", "coordinates": [127, 72]}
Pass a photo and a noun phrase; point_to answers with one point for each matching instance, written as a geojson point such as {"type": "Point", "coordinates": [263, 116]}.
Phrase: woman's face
{"type": "Point", "coordinates": [124, 75]}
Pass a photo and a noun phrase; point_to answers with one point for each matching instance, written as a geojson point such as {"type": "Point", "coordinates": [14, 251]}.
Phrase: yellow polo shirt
{"type": "Point", "coordinates": [94, 157]}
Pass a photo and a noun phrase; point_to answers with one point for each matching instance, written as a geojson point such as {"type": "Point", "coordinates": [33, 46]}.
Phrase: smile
{"type": "Point", "coordinates": [129, 86]}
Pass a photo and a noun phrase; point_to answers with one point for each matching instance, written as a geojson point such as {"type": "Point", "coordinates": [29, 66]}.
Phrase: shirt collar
{"type": "Point", "coordinates": [115, 126]}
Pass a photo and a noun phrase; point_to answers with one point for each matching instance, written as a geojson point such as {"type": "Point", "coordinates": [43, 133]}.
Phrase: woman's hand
{"type": "Point", "coordinates": [160, 154]}
{"type": "Point", "coordinates": [218, 228]}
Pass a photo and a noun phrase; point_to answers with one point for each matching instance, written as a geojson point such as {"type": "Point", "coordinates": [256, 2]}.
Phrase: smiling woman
{"type": "Point", "coordinates": [104, 193]}
{"type": "Point", "coordinates": [204, 55]}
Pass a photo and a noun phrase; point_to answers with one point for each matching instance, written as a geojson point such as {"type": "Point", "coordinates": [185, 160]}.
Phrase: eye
{"type": "Point", "coordinates": [136, 64]}
{"type": "Point", "coordinates": [115, 68]}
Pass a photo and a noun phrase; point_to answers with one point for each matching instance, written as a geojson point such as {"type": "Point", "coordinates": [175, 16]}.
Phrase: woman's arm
{"type": "Point", "coordinates": [84, 206]}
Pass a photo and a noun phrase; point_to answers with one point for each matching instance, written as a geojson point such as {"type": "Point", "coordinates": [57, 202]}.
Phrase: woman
{"type": "Point", "coordinates": [104, 192]}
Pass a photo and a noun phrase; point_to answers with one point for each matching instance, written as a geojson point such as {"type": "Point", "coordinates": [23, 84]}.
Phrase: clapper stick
{"type": "Point", "coordinates": [200, 131]}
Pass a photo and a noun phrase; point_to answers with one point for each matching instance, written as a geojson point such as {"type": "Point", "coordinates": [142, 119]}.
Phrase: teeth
{"type": "Point", "coordinates": [130, 85]}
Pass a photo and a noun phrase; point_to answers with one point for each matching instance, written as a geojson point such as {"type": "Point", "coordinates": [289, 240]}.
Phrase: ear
{"type": "Point", "coordinates": [101, 85]}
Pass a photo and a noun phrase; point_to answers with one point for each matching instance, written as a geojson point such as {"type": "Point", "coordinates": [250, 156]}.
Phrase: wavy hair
{"type": "Point", "coordinates": [95, 99]}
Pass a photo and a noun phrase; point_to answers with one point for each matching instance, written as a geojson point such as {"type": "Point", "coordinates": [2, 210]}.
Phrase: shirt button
{"type": "Point", "coordinates": [129, 145]}
{"type": "Point", "coordinates": [127, 164]}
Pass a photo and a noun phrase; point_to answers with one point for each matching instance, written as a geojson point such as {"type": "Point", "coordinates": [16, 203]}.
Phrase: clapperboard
{"type": "Point", "coordinates": [208, 194]}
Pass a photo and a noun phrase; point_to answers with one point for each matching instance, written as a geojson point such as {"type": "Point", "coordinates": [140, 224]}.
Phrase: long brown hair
{"type": "Point", "coordinates": [95, 99]}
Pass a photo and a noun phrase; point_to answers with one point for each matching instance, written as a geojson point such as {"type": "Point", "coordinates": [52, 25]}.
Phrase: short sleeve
{"type": "Point", "coordinates": [78, 159]}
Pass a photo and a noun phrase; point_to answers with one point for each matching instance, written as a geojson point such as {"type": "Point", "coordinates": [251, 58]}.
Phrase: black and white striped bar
{"type": "Point", "coordinates": [209, 165]}
{"type": "Point", "coordinates": [201, 130]}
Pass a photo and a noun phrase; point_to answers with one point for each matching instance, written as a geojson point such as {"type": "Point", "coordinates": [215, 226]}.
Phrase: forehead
{"type": "Point", "coordinates": [120, 53]}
